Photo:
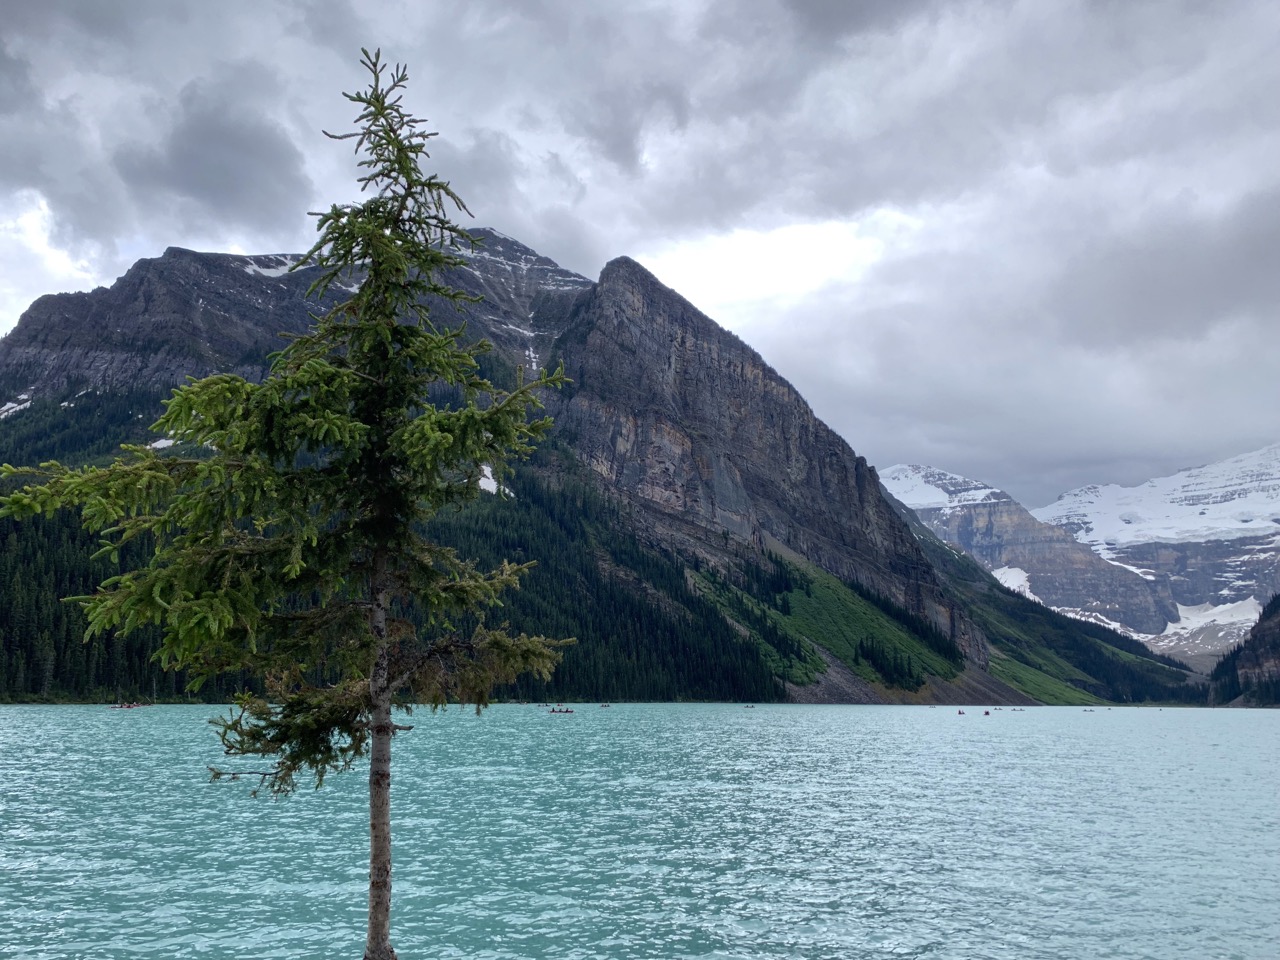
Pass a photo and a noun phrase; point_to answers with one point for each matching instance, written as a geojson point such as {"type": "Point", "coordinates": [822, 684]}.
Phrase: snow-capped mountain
{"type": "Point", "coordinates": [1233, 499]}
{"type": "Point", "coordinates": [929, 488]}
{"type": "Point", "coordinates": [1211, 533]}
{"type": "Point", "coordinates": [1036, 559]}
{"type": "Point", "coordinates": [1204, 542]}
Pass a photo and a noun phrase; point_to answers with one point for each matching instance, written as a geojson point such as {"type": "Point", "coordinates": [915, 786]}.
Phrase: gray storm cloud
{"type": "Point", "coordinates": [220, 159]}
{"type": "Point", "coordinates": [1088, 291]}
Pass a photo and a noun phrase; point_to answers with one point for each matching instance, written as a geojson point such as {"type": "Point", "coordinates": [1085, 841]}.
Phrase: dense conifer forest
{"type": "Point", "coordinates": [42, 652]}
{"type": "Point", "coordinates": [1258, 688]}
{"type": "Point", "coordinates": [86, 427]}
{"type": "Point", "coordinates": [643, 632]}
{"type": "Point", "coordinates": [649, 625]}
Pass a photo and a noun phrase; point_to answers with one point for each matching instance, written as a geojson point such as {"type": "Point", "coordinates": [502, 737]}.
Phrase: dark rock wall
{"type": "Point", "coordinates": [1213, 571]}
{"type": "Point", "coordinates": [707, 440]}
{"type": "Point", "coordinates": [178, 315]}
{"type": "Point", "coordinates": [1259, 659]}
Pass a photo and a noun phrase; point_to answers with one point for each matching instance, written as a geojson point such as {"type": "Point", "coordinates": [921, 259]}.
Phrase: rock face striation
{"type": "Point", "coordinates": [180, 314]}
{"type": "Point", "coordinates": [1250, 673]}
{"type": "Point", "coordinates": [191, 314]}
{"type": "Point", "coordinates": [1259, 659]}
{"type": "Point", "coordinates": [706, 439]}
{"type": "Point", "coordinates": [708, 449]}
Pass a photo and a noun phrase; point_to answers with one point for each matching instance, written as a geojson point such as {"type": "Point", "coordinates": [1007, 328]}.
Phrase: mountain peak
{"type": "Point", "coordinates": [626, 270]}
{"type": "Point", "coordinates": [496, 243]}
{"type": "Point", "coordinates": [505, 267]}
{"type": "Point", "coordinates": [921, 487]}
{"type": "Point", "coordinates": [1229, 499]}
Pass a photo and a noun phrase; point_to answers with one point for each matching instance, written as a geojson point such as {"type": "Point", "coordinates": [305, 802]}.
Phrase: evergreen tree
{"type": "Point", "coordinates": [294, 551]}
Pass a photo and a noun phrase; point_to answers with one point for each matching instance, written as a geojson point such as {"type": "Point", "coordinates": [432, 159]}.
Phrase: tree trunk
{"type": "Point", "coordinates": [378, 939]}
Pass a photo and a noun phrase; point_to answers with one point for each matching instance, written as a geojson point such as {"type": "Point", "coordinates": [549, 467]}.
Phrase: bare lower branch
{"type": "Point", "coordinates": [235, 775]}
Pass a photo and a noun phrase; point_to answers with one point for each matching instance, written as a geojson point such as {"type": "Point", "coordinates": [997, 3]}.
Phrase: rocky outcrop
{"type": "Point", "coordinates": [709, 442]}
{"type": "Point", "coordinates": [1208, 535]}
{"type": "Point", "coordinates": [178, 315]}
{"type": "Point", "coordinates": [191, 314]}
{"type": "Point", "coordinates": [1183, 564]}
{"type": "Point", "coordinates": [838, 684]}
{"type": "Point", "coordinates": [1259, 660]}
{"type": "Point", "coordinates": [1250, 673]}
{"type": "Point", "coordinates": [526, 297]}
{"type": "Point", "coordinates": [1066, 575]}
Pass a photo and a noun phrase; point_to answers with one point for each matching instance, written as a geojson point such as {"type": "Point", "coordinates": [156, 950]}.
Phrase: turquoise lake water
{"type": "Point", "coordinates": [660, 831]}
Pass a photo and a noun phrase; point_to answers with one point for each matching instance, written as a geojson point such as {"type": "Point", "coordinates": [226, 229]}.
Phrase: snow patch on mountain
{"type": "Point", "coordinates": [489, 484]}
{"type": "Point", "coordinates": [497, 248]}
{"type": "Point", "coordinates": [1017, 580]}
{"type": "Point", "coordinates": [271, 265]}
{"type": "Point", "coordinates": [1093, 616]}
{"type": "Point", "coordinates": [1205, 631]}
{"type": "Point", "coordinates": [1227, 616]}
{"type": "Point", "coordinates": [1228, 500]}
{"type": "Point", "coordinates": [924, 488]}
{"type": "Point", "coordinates": [13, 406]}
{"type": "Point", "coordinates": [1144, 572]}
{"type": "Point", "coordinates": [1215, 590]}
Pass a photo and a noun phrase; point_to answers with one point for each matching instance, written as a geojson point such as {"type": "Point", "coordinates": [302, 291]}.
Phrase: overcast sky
{"type": "Point", "coordinates": [1036, 242]}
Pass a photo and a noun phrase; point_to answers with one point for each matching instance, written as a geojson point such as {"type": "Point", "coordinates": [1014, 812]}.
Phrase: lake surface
{"type": "Point", "coordinates": [660, 831]}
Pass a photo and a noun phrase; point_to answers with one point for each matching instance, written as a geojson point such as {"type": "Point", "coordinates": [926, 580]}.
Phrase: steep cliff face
{"type": "Point", "coordinates": [709, 442]}
{"type": "Point", "coordinates": [1250, 673]}
{"type": "Point", "coordinates": [1062, 573]}
{"type": "Point", "coordinates": [1259, 661]}
{"type": "Point", "coordinates": [1183, 563]}
{"type": "Point", "coordinates": [191, 314]}
{"type": "Point", "coordinates": [526, 297]}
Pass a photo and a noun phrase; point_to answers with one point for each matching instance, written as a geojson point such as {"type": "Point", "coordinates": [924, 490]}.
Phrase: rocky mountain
{"type": "Point", "coordinates": [190, 314]}
{"type": "Point", "coordinates": [1039, 560]}
{"type": "Point", "coordinates": [1183, 563]}
{"type": "Point", "coordinates": [711, 461]}
{"type": "Point", "coordinates": [705, 438]}
{"type": "Point", "coordinates": [1210, 535]}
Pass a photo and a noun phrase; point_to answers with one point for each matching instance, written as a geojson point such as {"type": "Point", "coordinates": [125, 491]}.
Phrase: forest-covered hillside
{"type": "Point", "coordinates": [649, 625]}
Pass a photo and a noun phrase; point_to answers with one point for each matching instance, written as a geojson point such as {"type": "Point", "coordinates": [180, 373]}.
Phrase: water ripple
{"type": "Point", "coordinates": [687, 831]}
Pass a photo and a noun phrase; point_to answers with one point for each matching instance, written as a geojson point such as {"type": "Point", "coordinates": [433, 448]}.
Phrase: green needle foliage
{"type": "Point", "coordinates": [293, 551]}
